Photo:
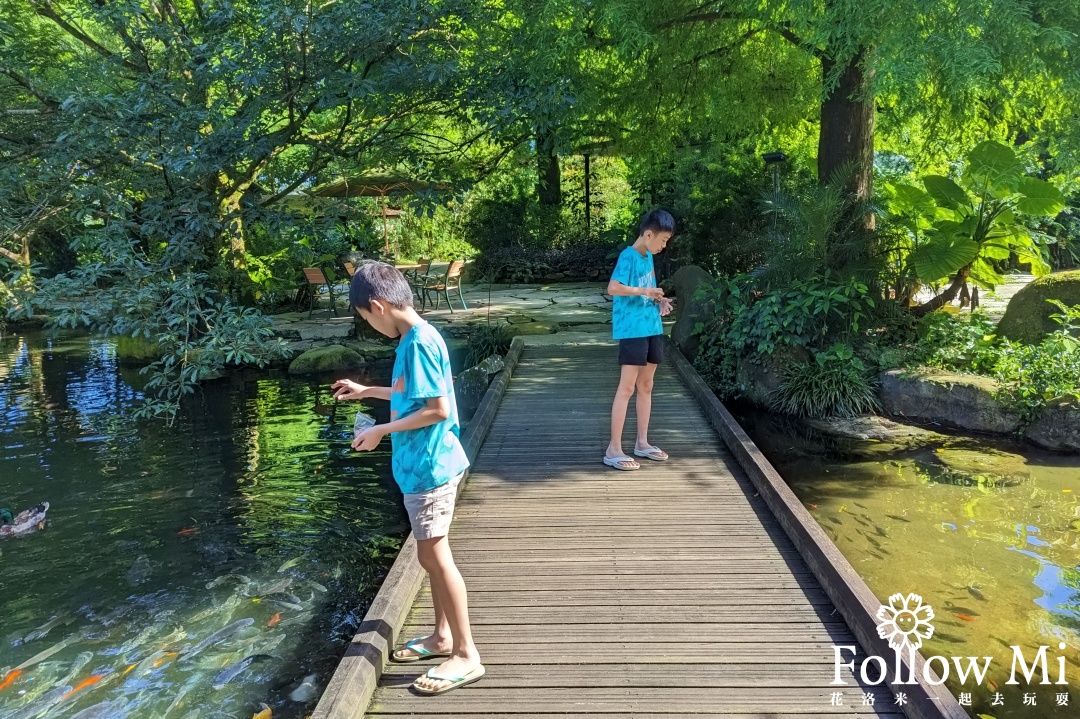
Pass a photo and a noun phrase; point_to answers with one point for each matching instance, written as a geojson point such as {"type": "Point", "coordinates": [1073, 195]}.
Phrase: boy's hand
{"type": "Point", "coordinates": [665, 306]}
{"type": "Point", "coordinates": [368, 439]}
{"type": "Point", "coordinates": [345, 389]}
{"type": "Point", "coordinates": [653, 293]}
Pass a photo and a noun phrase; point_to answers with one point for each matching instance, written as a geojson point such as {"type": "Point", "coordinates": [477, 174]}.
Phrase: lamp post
{"type": "Point", "coordinates": [772, 161]}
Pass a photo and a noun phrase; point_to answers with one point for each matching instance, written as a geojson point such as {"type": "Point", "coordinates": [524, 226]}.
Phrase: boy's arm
{"type": "Point", "coordinates": [618, 289]}
{"type": "Point", "coordinates": [345, 389]}
{"type": "Point", "coordinates": [436, 409]}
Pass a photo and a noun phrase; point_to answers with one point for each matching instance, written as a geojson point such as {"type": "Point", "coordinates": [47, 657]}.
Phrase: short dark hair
{"type": "Point", "coordinates": [657, 221]}
{"type": "Point", "coordinates": [379, 281]}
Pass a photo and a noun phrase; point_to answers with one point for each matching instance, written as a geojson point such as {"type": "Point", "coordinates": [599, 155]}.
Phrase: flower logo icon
{"type": "Point", "coordinates": [905, 620]}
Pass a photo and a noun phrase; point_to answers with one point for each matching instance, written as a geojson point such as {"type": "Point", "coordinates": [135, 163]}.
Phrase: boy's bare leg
{"type": "Point", "coordinates": [448, 588]}
{"type": "Point", "coordinates": [627, 381]}
{"type": "Point", "coordinates": [644, 404]}
{"type": "Point", "coordinates": [441, 640]}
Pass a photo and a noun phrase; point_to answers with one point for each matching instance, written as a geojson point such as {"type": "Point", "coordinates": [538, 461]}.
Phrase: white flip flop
{"type": "Point", "coordinates": [654, 453]}
{"type": "Point", "coordinates": [616, 463]}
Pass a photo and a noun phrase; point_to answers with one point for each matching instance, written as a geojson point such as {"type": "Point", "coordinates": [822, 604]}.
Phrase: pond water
{"type": "Point", "coordinates": [986, 531]}
{"type": "Point", "coordinates": [195, 570]}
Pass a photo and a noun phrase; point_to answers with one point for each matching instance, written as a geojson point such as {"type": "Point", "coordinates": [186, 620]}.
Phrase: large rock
{"type": "Point", "coordinates": [1058, 427]}
{"type": "Point", "coordinates": [690, 308]}
{"type": "Point", "coordinates": [873, 427]}
{"type": "Point", "coordinates": [471, 385]}
{"type": "Point", "coordinates": [1027, 318]}
{"type": "Point", "coordinates": [332, 358]}
{"type": "Point", "coordinates": [136, 351]}
{"type": "Point", "coordinates": [957, 400]}
{"type": "Point", "coordinates": [979, 466]}
{"type": "Point", "coordinates": [758, 377]}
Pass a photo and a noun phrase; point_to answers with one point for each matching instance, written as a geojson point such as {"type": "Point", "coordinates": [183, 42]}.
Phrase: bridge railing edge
{"type": "Point", "coordinates": [349, 692]}
{"type": "Point", "coordinates": [843, 585]}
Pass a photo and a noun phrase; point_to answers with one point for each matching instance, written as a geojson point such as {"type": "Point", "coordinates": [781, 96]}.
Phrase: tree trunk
{"type": "Point", "coordinates": [945, 297]}
{"type": "Point", "coordinates": [549, 174]}
{"type": "Point", "coordinates": [233, 221]}
{"type": "Point", "coordinates": [846, 139]}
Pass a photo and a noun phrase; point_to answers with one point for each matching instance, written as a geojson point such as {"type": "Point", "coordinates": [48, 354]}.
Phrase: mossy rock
{"type": "Point", "coordinates": [136, 351]}
{"type": "Point", "coordinates": [1027, 318]}
{"type": "Point", "coordinates": [332, 358]}
{"type": "Point", "coordinates": [982, 462]}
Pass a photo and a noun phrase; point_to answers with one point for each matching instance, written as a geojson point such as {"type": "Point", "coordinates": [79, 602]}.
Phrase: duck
{"type": "Point", "coordinates": [24, 522]}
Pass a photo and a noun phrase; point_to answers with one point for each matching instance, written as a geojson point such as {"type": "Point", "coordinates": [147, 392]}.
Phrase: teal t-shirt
{"type": "Point", "coordinates": [425, 458]}
{"type": "Point", "coordinates": [636, 315]}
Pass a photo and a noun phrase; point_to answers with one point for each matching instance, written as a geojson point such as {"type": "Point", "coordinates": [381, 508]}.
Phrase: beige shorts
{"type": "Point", "coordinates": [430, 513]}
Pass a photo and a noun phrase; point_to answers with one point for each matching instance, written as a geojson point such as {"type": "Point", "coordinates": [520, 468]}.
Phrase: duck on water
{"type": "Point", "coordinates": [25, 522]}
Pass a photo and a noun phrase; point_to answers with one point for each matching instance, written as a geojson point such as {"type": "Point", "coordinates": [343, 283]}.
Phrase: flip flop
{"type": "Point", "coordinates": [616, 463]}
{"type": "Point", "coordinates": [654, 453]}
{"type": "Point", "coordinates": [419, 653]}
{"type": "Point", "coordinates": [455, 682]}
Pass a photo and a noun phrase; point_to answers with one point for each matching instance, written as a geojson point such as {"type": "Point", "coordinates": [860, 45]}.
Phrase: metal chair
{"type": "Point", "coordinates": [316, 279]}
{"type": "Point", "coordinates": [450, 281]}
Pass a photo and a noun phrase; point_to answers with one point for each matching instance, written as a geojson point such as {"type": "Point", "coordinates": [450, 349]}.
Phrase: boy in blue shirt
{"type": "Point", "coordinates": [428, 462]}
{"type": "Point", "coordinates": [637, 306]}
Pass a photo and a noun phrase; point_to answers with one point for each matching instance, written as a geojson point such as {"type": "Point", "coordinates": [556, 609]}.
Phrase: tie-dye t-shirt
{"type": "Point", "coordinates": [635, 315]}
{"type": "Point", "coordinates": [425, 458]}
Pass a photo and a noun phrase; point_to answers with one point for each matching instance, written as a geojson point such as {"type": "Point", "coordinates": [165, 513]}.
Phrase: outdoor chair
{"type": "Point", "coordinates": [316, 278]}
{"type": "Point", "coordinates": [350, 269]}
{"type": "Point", "coordinates": [449, 281]}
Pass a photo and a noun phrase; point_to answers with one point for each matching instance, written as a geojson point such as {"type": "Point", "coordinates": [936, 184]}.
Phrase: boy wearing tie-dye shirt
{"type": "Point", "coordinates": [428, 462]}
{"type": "Point", "coordinates": [637, 306]}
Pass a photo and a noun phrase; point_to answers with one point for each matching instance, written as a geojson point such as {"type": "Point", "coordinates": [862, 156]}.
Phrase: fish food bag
{"type": "Point", "coordinates": [363, 422]}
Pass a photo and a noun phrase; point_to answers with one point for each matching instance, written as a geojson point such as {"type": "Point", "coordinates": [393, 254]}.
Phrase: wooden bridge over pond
{"type": "Point", "coordinates": [695, 586]}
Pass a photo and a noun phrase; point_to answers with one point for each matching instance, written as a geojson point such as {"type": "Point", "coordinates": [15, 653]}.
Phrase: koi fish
{"type": "Point", "coordinates": [88, 682]}
{"type": "Point", "coordinates": [965, 617]}
{"type": "Point", "coordinates": [10, 678]}
{"type": "Point", "coordinates": [188, 531]}
{"type": "Point", "coordinates": [263, 713]}
{"type": "Point", "coordinates": [218, 636]}
{"type": "Point", "coordinates": [235, 670]}
{"type": "Point", "coordinates": [273, 621]}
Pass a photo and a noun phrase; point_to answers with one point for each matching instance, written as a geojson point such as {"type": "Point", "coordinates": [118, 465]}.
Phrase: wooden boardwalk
{"type": "Point", "coordinates": [671, 590]}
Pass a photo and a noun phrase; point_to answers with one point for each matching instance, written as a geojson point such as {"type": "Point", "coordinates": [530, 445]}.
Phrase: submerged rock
{"type": "Point", "coordinates": [987, 463]}
{"type": "Point", "coordinates": [1027, 317]}
{"type": "Point", "coordinates": [332, 358]}
{"type": "Point", "coordinates": [957, 400]}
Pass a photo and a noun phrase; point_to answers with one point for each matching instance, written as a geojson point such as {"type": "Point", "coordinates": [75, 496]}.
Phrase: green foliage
{"type": "Point", "coordinates": [1028, 375]}
{"type": "Point", "coordinates": [486, 340]}
{"type": "Point", "coordinates": [812, 313]}
{"type": "Point", "coordinates": [836, 384]}
{"type": "Point", "coordinates": [972, 226]}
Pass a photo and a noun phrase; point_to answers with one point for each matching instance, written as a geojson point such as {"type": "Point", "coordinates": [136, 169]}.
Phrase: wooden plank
{"type": "Point", "coordinates": [702, 598]}
{"type": "Point", "coordinates": [656, 615]}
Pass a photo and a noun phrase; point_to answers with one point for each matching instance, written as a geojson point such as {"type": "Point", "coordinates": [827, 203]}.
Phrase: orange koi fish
{"type": "Point", "coordinates": [10, 678]}
{"type": "Point", "coordinates": [265, 713]}
{"type": "Point", "coordinates": [88, 682]}
{"type": "Point", "coordinates": [965, 617]}
{"type": "Point", "coordinates": [188, 531]}
{"type": "Point", "coordinates": [274, 620]}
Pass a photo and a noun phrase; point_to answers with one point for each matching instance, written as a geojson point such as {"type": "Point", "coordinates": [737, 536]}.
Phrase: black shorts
{"type": "Point", "coordinates": [641, 351]}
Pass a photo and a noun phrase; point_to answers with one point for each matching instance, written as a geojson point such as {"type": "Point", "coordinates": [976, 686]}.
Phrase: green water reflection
{"type": "Point", "coordinates": [988, 535]}
{"type": "Point", "coordinates": [249, 515]}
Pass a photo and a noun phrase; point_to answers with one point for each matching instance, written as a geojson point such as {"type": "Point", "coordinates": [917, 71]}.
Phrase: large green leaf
{"type": "Point", "coordinates": [984, 274]}
{"type": "Point", "coordinates": [994, 165]}
{"type": "Point", "coordinates": [910, 200]}
{"type": "Point", "coordinates": [942, 256]}
{"type": "Point", "coordinates": [1033, 256]}
{"type": "Point", "coordinates": [1039, 198]}
{"type": "Point", "coordinates": [947, 193]}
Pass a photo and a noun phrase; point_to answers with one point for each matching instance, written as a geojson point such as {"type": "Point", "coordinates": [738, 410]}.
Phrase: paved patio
{"type": "Point", "coordinates": [562, 313]}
